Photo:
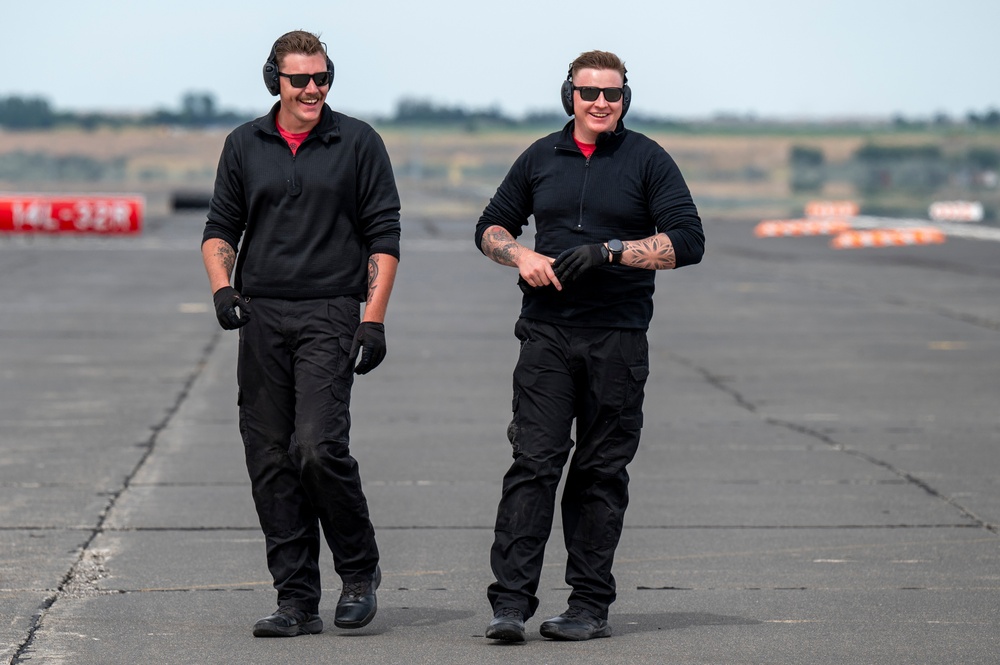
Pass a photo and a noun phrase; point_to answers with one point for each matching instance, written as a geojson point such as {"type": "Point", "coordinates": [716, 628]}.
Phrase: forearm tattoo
{"type": "Point", "coordinates": [372, 277]}
{"type": "Point", "coordinates": [226, 254]}
{"type": "Point", "coordinates": [500, 246]}
{"type": "Point", "coordinates": [653, 253]}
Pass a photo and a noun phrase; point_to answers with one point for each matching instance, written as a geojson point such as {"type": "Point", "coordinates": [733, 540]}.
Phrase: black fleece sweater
{"type": "Point", "coordinates": [309, 221]}
{"type": "Point", "coordinates": [629, 189]}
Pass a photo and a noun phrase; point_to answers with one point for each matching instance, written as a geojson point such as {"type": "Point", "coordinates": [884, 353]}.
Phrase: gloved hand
{"type": "Point", "coordinates": [528, 289]}
{"type": "Point", "coordinates": [230, 308]}
{"type": "Point", "coordinates": [370, 341]}
{"type": "Point", "coordinates": [577, 260]}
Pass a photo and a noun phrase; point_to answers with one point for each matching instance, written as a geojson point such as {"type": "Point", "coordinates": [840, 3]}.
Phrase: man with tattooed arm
{"type": "Point", "coordinates": [311, 195]}
{"type": "Point", "coordinates": [610, 208]}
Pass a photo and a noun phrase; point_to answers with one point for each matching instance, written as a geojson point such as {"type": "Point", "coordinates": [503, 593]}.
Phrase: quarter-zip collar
{"type": "Point", "coordinates": [327, 130]}
{"type": "Point", "coordinates": [605, 140]}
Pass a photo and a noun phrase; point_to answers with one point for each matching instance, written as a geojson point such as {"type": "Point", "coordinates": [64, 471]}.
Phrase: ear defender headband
{"type": "Point", "coordinates": [271, 79]}
{"type": "Point", "coordinates": [567, 93]}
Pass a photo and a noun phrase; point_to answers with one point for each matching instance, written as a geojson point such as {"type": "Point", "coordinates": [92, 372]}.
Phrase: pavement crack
{"type": "Point", "coordinates": [83, 576]}
{"type": "Point", "coordinates": [888, 466]}
{"type": "Point", "coordinates": [720, 384]}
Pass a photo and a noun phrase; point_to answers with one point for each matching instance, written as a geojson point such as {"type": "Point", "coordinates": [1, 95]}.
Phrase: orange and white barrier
{"type": "Point", "coordinates": [956, 211]}
{"type": "Point", "coordinates": [832, 209]}
{"type": "Point", "coordinates": [918, 235]}
{"type": "Point", "coordinates": [800, 227]}
{"type": "Point", "coordinates": [70, 213]}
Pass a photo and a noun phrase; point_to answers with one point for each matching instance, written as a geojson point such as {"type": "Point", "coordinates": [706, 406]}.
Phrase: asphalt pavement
{"type": "Point", "coordinates": [818, 480]}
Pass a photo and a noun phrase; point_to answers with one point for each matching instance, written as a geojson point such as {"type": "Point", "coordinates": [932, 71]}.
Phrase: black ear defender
{"type": "Point", "coordinates": [567, 93]}
{"type": "Point", "coordinates": [271, 71]}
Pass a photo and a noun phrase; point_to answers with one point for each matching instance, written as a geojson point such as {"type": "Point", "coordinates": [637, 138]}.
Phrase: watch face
{"type": "Point", "coordinates": [616, 246]}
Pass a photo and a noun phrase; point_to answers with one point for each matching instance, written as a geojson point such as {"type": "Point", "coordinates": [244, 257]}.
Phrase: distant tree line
{"type": "Point", "coordinates": [990, 118]}
{"type": "Point", "coordinates": [199, 109]}
{"type": "Point", "coordinates": [875, 168]}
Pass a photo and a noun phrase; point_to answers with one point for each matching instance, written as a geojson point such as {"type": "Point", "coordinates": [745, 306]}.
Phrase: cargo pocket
{"type": "Point", "coordinates": [242, 416]}
{"type": "Point", "coordinates": [522, 378]}
{"type": "Point", "coordinates": [635, 384]}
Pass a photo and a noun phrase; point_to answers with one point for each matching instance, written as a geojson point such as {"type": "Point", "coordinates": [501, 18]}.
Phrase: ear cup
{"type": "Point", "coordinates": [329, 68]}
{"type": "Point", "coordinates": [567, 96]}
{"type": "Point", "coordinates": [271, 73]}
{"type": "Point", "coordinates": [567, 91]}
{"type": "Point", "coordinates": [626, 99]}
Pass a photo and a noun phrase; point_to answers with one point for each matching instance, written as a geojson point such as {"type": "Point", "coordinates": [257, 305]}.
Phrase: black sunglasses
{"type": "Point", "coordinates": [302, 80]}
{"type": "Point", "coordinates": [590, 94]}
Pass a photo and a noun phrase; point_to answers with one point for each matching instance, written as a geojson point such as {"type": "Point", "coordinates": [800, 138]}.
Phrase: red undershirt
{"type": "Point", "coordinates": [586, 148]}
{"type": "Point", "coordinates": [293, 140]}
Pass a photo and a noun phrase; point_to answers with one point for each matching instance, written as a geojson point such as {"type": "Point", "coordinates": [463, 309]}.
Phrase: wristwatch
{"type": "Point", "coordinates": [616, 247]}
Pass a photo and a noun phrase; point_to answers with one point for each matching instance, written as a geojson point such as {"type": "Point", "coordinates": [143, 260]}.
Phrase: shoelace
{"type": "Point", "coordinates": [574, 612]}
{"type": "Point", "coordinates": [509, 613]}
{"type": "Point", "coordinates": [294, 613]}
{"type": "Point", "coordinates": [355, 589]}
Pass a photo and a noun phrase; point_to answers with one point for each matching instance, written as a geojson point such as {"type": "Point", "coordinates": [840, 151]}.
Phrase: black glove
{"type": "Point", "coordinates": [230, 308]}
{"type": "Point", "coordinates": [370, 340]}
{"type": "Point", "coordinates": [577, 260]}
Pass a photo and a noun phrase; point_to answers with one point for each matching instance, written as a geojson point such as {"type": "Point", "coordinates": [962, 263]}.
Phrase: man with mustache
{"type": "Point", "coordinates": [311, 195]}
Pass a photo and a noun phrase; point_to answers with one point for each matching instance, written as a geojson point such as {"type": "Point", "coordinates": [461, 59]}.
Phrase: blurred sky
{"type": "Point", "coordinates": [772, 58]}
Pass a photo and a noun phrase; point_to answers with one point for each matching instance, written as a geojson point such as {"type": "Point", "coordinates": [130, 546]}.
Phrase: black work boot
{"type": "Point", "coordinates": [575, 624]}
{"type": "Point", "coordinates": [357, 605]}
{"type": "Point", "coordinates": [288, 621]}
{"type": "Point", "coordinates": [507, 625]}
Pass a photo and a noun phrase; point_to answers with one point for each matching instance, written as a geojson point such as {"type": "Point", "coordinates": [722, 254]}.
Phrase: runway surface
{"type": "Point", "coordinates": [818, 482]}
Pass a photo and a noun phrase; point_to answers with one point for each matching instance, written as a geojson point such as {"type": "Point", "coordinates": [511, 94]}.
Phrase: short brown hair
{"type": "Point", "coordinates": [297, 41]}
{"type": "Point", "coordinates": [597, 60]}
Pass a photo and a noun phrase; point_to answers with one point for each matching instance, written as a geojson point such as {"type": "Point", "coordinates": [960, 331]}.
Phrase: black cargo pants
{"type": "Point", "coordinates": [597, 376]}
{"type": "Point", "coordinates": [294, 395]}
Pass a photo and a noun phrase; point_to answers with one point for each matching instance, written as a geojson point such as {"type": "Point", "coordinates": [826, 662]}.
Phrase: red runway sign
{"type": "Point", "coordinates": [67, 213]}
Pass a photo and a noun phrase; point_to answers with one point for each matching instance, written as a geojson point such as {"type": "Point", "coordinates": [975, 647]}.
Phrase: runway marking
{"type": "Point", "coordinates": [948, 346]}
{"type": "Point", "coordinates": [793, 551]}
{"type": "Point", "coordinates": [792, 621]}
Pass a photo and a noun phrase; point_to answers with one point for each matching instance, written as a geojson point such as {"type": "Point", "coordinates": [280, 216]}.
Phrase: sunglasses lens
{"type": "Point", "coordinates": [612, 94]}
{"type": "Point", "coordinates": [302, 80]}
{"type": "Point", "coordinates": [589, 94]}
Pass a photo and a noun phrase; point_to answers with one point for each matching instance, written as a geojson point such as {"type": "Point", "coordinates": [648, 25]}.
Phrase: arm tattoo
{"type": "Point", "coordinates": [372, 277]}
{"type": "Point", "coordinates": [500, 246]}
{"type": "Point", "coordinates": [653, 253]}
{"type": "Point", "coordinates": [226, 254]}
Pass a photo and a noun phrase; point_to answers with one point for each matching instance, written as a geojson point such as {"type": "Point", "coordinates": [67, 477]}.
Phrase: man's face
{"type": "Point", "coordinates": [301, 107]}
{"type": "Point", "coordinates": [593, 118]}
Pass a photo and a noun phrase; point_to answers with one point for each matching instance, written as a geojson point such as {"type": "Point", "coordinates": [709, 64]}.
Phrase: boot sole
{"type": "Point", "coordinates": [270, 630]}
{"type": "Point", "coordinates": [554, 633]}
{"type": "Point", "coordinates": [505, 633]}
